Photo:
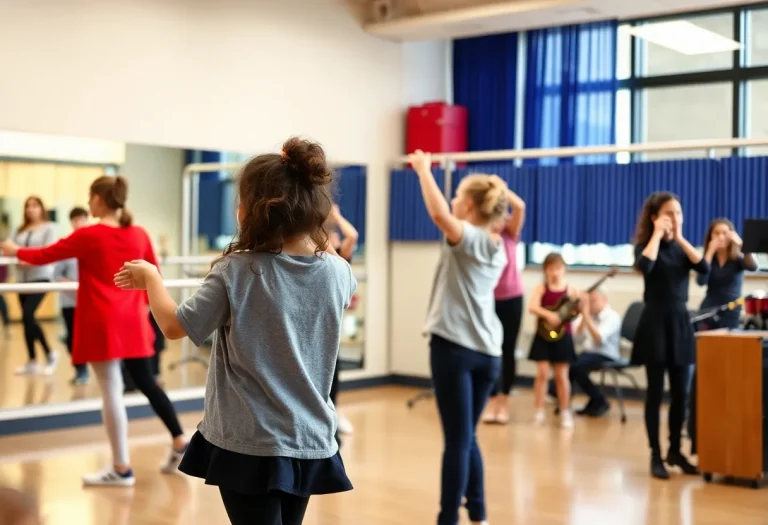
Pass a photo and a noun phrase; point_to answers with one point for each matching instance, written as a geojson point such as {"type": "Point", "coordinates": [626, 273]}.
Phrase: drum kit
{"type": "Point", "coordinates": [755, 312]}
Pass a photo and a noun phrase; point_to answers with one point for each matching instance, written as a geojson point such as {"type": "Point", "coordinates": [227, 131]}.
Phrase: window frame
{"type": "Point", "coordinates": [739, 75]}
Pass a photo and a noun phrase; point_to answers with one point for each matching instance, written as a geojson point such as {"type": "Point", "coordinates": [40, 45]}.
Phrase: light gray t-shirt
{"type": "Point", "coordinates": [462, 307]}
{"type": "Point", "coordinates": [45, 235]}
{"type": "Point", "coordinates": [276, 321]}
{"type": "Point", "coordinates": [66, 269]}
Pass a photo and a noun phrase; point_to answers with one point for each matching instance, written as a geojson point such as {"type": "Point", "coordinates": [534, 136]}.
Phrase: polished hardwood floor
{"type": "Point", "coordinates": [596, 474]}
{"type": "Point", "coordinates": [19, 391]}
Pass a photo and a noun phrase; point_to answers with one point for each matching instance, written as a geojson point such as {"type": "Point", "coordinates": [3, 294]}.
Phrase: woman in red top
{"type": "Point", "coordinates": [111, 325]}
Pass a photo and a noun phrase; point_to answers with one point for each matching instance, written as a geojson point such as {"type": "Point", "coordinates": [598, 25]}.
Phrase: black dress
{"type": "Point", "coordinates": [664, 333]}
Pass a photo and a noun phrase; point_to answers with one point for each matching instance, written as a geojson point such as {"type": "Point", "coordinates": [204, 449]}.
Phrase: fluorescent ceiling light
{"type": "Point", "coordinates": [684, 37]}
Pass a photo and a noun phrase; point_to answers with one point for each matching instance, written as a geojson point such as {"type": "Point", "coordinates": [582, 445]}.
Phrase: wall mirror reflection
{"type": "Point", "coordinates": [59, 170]}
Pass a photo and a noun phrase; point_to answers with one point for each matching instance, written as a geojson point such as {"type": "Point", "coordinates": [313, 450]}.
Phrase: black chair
{"type": "Point", "coordinates": [620, 368]}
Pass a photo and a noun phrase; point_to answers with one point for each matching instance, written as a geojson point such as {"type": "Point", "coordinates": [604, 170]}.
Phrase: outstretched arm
{"type": "Point", "coordinates": [66, 248]}
{"type": "Point", "coordinates": [434, 200]}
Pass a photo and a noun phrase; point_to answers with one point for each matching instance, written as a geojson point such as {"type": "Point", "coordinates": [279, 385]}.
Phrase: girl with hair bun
{"type": "Point", "coordinates": [274, 302]}
{"type": "Point", "coordinates": [465, 332]}
{"type": "Point", "coordinates": [110, 326]}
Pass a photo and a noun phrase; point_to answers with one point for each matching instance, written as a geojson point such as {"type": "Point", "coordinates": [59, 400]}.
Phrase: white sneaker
{"type": "Point", "coordinates": [110, 478]}
{"type": "Point", "coordinates": [566, 419]}
{"type": "Point", "coordinates": [345, 426]}
{"type": "Point", "coordinates": [29, 369]}
{"type": "Point", "coordinates": [539, 418]}
{"type": "Point", "coordinates": [50, 367]}
{"type": "Point", "coordinates": [174, 460]}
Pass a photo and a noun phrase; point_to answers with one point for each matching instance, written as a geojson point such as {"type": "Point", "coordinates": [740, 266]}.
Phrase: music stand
{"type": "Point", "coordinates": [755, 236]}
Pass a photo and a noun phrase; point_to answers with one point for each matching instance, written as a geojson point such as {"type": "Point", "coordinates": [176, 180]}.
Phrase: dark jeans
{"type": "Point", "coordinates": [579, 371]}
{"type": "Point", "coordinates": [69, 322]}
{"type": "Point", "coordinates": [678, 389]}
{"type": "Point", "coordinates": [273, 508]}
{"type": "Point", "coordinates": [723, 322]}
{"type": "Point", "coordinates": [510, 313]}
{"type": "Point", "coordinates": [32, 332]}
{"type": "Point", "coordinates": [140, 372]}
{"type": "Point", "coordinates": [4, 311]}
{"type": "Point", "coordinates": [462, 380]}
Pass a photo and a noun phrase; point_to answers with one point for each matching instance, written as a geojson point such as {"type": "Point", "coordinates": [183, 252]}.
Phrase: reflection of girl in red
{"type": "Point", "coordinates": [111, 326]}
{"type": "Point", "coordinates": [344, 244]}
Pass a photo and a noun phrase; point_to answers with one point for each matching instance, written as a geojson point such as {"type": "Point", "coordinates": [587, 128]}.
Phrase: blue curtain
{"type": "Point", "coordinates": [744, 189]}
{"type": "Point", "coordinates": [351, 190]}
{"type": "Point", "coordinates": [212, 203]}
{"type": "Point", "coordinates": [570, 89]}
{"type": "Point", "coordinates": [612, 202]}
{"type": "Point", "coordinates": [559, 205]}
{"type": "Point", "coordinates": [485, 82]}
{"type": "Point", "coordinates": [408, 217]}
{"type": "Point", "coordinates": [520, 180]}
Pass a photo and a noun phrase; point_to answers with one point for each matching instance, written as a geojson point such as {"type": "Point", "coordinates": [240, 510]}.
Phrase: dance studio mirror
{"type": "Point", "coordinates": [59, 170]}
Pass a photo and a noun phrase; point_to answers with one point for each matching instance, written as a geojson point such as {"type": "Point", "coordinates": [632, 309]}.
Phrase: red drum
{"type": "Point", "coordinates": [751, 306]}
{"type": "Point", "coordinates": [763, 306]}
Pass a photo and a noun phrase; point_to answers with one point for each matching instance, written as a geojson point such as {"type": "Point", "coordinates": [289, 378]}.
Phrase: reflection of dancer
{"type": "Point", "coordinates": [509, 308]}
{"type": "Point", "coordinates": [344, 245]}
{"type": "Point", "coordinates": [466, 335]}
{"type": "Point", "coordinates": [724, 282]}
{"type": "Point", "coordinates": [67, 271]}
{"type": "Point", "coordinates": [274, 302]}
{"type": "Point", "coordinates": [664, 340]}
{"type": "Point", "coordinates": [35, 231]}
{"type": "Point", "coordinates": [111, 326]}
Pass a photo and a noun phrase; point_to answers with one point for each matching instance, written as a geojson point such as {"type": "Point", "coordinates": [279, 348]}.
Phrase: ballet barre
{"type": "Point", "coordinates": [168, 260]}
{"type": "Point", "coordinates": [72, 286]}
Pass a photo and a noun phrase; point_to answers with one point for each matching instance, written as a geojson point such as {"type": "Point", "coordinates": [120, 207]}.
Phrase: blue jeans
{"type": "Point", "coordinates": [462, 380]}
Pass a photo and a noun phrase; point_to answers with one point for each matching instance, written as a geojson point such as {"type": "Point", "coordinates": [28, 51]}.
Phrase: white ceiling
{"type": "Point", "coordinates": [445, 19]}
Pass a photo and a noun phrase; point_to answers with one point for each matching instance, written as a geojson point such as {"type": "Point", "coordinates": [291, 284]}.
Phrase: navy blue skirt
{"type": "Point", "coordinates": [246, 474]}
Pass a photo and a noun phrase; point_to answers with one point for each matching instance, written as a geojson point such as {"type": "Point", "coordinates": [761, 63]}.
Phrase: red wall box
{"type": "Point", "coordinates": [436, 127]}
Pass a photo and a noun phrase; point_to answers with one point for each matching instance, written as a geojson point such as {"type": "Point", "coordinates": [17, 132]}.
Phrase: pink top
{"type": "Point", "coordinates": [511, 283]}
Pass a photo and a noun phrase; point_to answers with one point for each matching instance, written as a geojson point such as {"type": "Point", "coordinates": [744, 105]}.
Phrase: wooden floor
{"type": "Point", "coordinates": [597, 474]}
{"type": "Point", "coordinates": [18, 391]}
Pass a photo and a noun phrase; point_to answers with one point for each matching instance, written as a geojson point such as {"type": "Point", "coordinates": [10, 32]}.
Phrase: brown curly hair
{"type": "Point", "coordinates": [283, 195]}
{"type": "Point", "coordinates": [651, 207]}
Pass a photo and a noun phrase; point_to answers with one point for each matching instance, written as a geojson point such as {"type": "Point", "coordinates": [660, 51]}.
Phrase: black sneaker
{"type": "Point", "coordinates": [658, 470]}
{"type": "Point", "coordinates": [676, 459]}
{"type": "Point", "coordinates": [600, 409]}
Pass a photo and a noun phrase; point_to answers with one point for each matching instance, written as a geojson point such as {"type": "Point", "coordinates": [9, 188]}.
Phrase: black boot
{"type": "Point", "coordinates": [676, 459]}
{"type": "Point", "coordinates": [658, 470]}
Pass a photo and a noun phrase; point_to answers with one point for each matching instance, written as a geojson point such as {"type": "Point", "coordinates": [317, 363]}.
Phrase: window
{"type": "Point", "coordinates": [623, 123]}
{"type": "Point", "coordinates": [758, 38]}
{"type": "Point", "coordinates": [655, 59]}
{"type": "Point", "coordinates": [757, 111]}
{"type": "Point", "coordinates": [688, 112]}
{"type": "Point", "coordinates": [586, 254]}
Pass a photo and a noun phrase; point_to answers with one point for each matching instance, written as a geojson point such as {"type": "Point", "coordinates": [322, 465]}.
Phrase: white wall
{"type": "Point", "coordinates": [427, 72]}
{"type": "Point", "coordinates": [154, 191]}
{"type": "Point", "coordinates": [413, 266]}
{"type": "Point", "coordinates": [236, 75]}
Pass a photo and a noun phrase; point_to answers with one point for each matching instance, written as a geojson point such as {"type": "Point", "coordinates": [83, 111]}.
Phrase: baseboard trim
{"type": "Point", "coordinates": [47, 418]}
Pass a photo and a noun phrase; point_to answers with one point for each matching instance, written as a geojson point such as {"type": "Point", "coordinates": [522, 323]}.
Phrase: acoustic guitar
{"type": "Point", "coordinates": [567, 309]}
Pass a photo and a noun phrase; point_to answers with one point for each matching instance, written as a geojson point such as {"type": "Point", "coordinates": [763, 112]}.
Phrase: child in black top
{"type": "Point", "coordinates": [664, 338]}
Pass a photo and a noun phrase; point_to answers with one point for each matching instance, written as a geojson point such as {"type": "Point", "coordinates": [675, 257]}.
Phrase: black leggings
{"type": "Point", "coordinates": [678, 386]}
{"type": "Point", "coordinates": [32, 331]}
{"type": "Point", "coordinates": [4, 311]}
{"type": "Point", "coordinates": [140, 371]}
{"type": "Point", "coordinates": [68, 314]}
{"type": "Point", "coordinates": [273, 508]}
{"type": "Point", "coordinates": [335, 383]}
{"type": "Point", "coordinates": [510, 312]}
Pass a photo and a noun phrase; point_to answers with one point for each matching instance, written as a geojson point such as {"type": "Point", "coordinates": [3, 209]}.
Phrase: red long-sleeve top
{"type": "Point", "coordinates": [110, 323]}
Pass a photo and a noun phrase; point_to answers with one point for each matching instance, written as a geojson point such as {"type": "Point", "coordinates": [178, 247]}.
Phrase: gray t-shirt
{"type": "Point", "coordinates": [462, 307]}
{"type": "Point", "coordinates": [66, 270]}
{"type": "Point", "coordinates": [44, 236]}
{"type": "Point", "coordinates": [276, 321]}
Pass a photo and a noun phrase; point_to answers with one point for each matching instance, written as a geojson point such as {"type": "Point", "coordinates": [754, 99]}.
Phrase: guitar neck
{"type": "Point", "coordinates": [597, 284]}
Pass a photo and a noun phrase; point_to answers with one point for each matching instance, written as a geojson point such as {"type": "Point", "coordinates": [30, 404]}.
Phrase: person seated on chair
{"type": "Point", "coordinates": [598, 333]}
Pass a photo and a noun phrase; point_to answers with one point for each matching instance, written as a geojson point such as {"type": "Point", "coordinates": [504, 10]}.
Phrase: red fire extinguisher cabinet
{"type": "Point", "coordinates": [437, 127]}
